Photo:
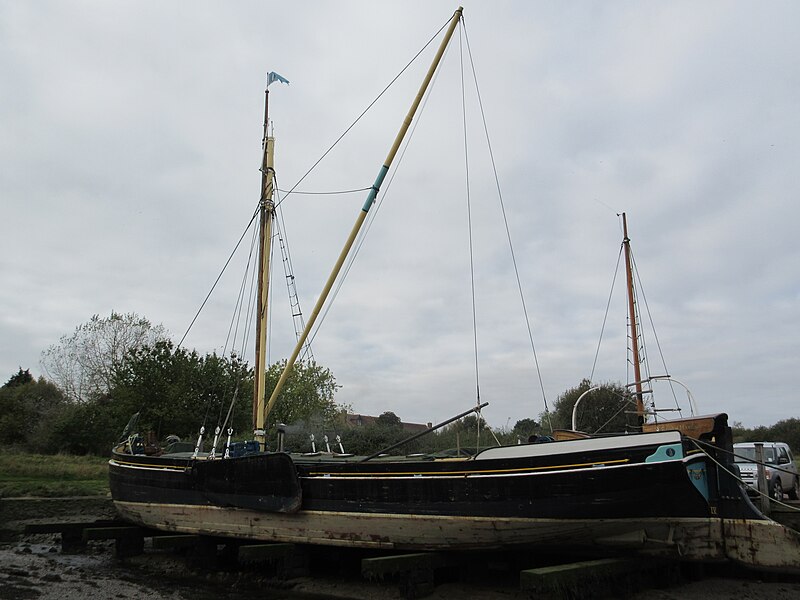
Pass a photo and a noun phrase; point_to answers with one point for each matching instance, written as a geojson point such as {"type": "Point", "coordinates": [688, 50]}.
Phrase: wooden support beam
{"type": "Point", "coordinates": [61, 527]}
{"type": "Point", "coordinates": [579, 578]}
{"type": "Point", "coordinates": [71, 532]}
{"type": "Point", "coordinates": [558, 577]}
{"type": "Point", "coordinates": [112, 533]}
{"type": "Point", "coordinates": [250, 553]}
{"type": "Point", "coordinates": [402, 563]}
{"type": "Point", "coordinates": [414, 571]}
{"type": "Point", "coordinates": [175, 542]}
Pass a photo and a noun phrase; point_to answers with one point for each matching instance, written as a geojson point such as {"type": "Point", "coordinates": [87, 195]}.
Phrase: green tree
{"type": "Point", "coordinates": [21, 378]}
{"type": "Point", "coordinates": [605, 410]}
{"type": "Point", "coordinates": [785, 430]}
{"type": "Point", "coordinates": [307, 396]}
{"type": "Point", "coordinates": [27, 411]}
{"type": "Point", "coordinates": [467, 432]}
{"type": "Point", "coordinates": [177, 390]}
{"type": "Point", "coordinates": [369, 439]}
{"type": "Point", "coordinates": [82, 364]}
{"type": "Point", "coordinates": [389, 420]}
{"type": "Point", "coordinates": [84, 428]}
{"type": "Point", "coordinates": [524, 428]}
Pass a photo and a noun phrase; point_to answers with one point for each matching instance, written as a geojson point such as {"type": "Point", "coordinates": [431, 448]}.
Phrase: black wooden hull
{"type": "Point", "coordinates": [653, 493]}
{"type": "Point", "coordinates": [266, 482]}
{"type": "Point", "coordinates": [645, 475]}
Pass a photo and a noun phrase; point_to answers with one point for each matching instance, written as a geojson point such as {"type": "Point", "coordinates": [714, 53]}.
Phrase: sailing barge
{"type": "Point", "coordinates": [669, 490]}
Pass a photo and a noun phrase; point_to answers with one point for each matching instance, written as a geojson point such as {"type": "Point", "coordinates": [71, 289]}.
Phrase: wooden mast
{"type": "Point", "coordinates": [363, 213]}
{"type": "Point", "coordinates": [267, 211]}
{"type": "Point", "coordinates": [626, 243]}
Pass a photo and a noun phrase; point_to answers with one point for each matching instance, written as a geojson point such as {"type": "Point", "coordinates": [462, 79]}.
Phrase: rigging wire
{"type": "Point", "coordinates": [638, 289]}
{"type": "Point", "coordinates": [655, 333]}
{"type": "Point", "coordinates": [605, 316]}
{"type": "Point", "coordinates": [255, 214]}
{"type": "Point", "coordinates": [623, 404]}
{"type": "Point", "coordinates": [469, 228]}
{"type": "Point", "coordinates": [364, 189]}
{"type": "Point", "coordinates": [508, 230]}
{"type": "Point", "coordinates": [373, 213]}
{"type": "Point", "coordinates": [700, 446]}
{"type": "Point", "coordinates": [288, 271]}
{"type": "Point", "coordinates": [364, 112]}
{"type": "Point", "coordinates": [216, 281]}
{"type": "Point", "coordinates": [233, 328]}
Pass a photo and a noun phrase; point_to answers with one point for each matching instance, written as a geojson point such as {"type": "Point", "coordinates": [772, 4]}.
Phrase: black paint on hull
{"type": "Point", "coordinates": [266, 482]}
{"type": "Point", "coordinates": [606, 483]}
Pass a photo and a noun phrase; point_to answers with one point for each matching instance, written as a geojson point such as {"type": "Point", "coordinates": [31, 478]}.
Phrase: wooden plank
{"type": "Point", "coordinates": [61, 527]}
{"type": "Point", "coordinates": [693, 427]}
{"type": "Point", "coordinates": [401, 563]}
{"type": "Point", "coordinates": [575, 575]}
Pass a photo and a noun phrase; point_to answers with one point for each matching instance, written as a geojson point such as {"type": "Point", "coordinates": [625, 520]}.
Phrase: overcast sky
{"type": "Point", "coordinates": [129, 156]}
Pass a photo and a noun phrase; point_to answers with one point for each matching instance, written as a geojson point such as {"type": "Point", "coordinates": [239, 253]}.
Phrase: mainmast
{"type": "Point", "coordinates": [367, 205]}
{"type": "Point", "coordinates": [267, 212]}
{"type": "Point", "coordinates": [626, 243]}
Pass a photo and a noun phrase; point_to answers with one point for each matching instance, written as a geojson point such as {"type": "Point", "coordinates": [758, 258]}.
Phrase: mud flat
{"type": "Point", "coordinates": [34, 567]}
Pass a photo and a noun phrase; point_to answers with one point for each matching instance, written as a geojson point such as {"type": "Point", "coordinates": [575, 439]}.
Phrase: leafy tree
{"type": "Point", "coordinates": [469, 431]}
{"type": "Point", "coordinates": [785, 430]}
{"type": "Point", "coordinates": [84, 428]}
{"type": "Point", "coordinates": [21, 378]}
{"type": "Point", "coordinates": [389, 420]}
{"type": "Point", "coordinates": [524, 428]}
{"type": "Point", "coordinates": [27, 411]}
{"type": "Point", "coordinates": [307, 395]}
{"type": "Point", "coordinates": [82, 364]}
{"type": "Point", "coordinates": [369, 439]}
{"type": "Point", "coordinates": [605, 410]}
{"type": "Point", "coordinates": [177, 390]}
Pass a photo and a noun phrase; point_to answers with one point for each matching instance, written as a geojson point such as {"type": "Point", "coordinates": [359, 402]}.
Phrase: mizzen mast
{"type": "Point", "coordinates": [626, 243]}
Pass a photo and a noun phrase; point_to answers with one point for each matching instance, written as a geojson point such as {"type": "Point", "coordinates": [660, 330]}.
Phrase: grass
{"type": "Point", "coordinates": [52, 475]}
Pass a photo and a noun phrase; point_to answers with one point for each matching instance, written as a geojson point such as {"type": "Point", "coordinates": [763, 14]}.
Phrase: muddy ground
{"type": "Point", "coordinates": [34, 567]}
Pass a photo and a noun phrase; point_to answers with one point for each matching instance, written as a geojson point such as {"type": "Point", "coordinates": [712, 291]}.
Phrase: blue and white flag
{"type": "Point", "coordinates": [272, 77]}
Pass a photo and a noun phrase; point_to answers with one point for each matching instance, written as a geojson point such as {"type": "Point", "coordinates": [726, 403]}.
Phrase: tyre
{"type": "Point", "coordinates": [794, 493]}
{"type": "Point", "coordinates": [777, 490]}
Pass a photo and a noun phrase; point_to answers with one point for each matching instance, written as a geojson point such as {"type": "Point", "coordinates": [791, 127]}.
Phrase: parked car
{"type": "Point", "coordinates": [781, 471]}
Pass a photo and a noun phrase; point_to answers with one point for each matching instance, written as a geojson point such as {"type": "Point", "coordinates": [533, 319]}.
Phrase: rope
{"type": "Point", "coordinates": [469, 229]}
{"type": "Point", "coordinates": [699, 443]}
{"type": "Point", "coordinates": [233, 328]}
{"type": "Point", "coordinates": [508, 230]}
{"type": "Point", "coordinates": [364, 112]}
{"type": "Point", "coordinates": [605, 316]}
{"type": "Point", "coordinates": [655, 334]}
{"type": "Point", "coordinates": [624, 403]}
{"type": "Point", "coordinates": [365, 189]}
{"type": "Point", "coordinates": [216, 281]}
{"type": "Point", "coordinates": [372, 215]}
